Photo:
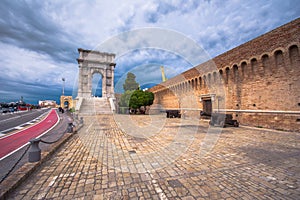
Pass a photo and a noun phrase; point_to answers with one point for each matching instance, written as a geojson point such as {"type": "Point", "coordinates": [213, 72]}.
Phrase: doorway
{"type": "Point", "coordinates": [207, 107]}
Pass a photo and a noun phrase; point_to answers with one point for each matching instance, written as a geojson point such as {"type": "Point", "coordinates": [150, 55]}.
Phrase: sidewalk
{"type": "Point", "coordinates": [109, 160]}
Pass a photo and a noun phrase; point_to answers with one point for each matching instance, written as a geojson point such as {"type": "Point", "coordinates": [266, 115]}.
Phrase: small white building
{"type": "Point", "coordinates": [47, 103]}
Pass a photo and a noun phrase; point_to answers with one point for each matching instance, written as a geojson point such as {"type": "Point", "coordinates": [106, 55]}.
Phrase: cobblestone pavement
{"type": "Point", "coordinates": [151, 157]}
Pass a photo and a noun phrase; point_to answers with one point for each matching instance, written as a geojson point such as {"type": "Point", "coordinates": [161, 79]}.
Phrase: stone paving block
{"type": "Point", "coordinates": [107, 162]}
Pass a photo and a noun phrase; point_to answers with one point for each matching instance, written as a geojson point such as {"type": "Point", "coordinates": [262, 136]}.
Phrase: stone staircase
{"type": "Point", "coordinates": [93, 106]}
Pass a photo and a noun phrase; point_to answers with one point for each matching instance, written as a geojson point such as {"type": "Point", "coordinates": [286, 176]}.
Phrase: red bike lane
{"type": "Point", "coordinates": [13, 142]}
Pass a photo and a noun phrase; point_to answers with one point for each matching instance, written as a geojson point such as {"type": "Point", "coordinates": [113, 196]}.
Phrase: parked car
{"type": "Point", "coordinates": [5, 110]}
{"type": "Point", "coordinates": [173, 113]}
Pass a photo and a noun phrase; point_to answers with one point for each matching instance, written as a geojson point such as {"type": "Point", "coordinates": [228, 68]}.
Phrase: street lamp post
{"type": "Point", "coordinates": [63, 89]}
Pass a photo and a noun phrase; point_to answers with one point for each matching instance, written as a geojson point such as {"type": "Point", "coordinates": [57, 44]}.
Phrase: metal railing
{"type": "Point", "coordinates": [34, 151]}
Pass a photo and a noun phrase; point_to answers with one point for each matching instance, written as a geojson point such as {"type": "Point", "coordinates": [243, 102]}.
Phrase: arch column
{"type": "Point", "coordinates": [79, 94]}
{"type": "Point", "coordinates": [90, 84]}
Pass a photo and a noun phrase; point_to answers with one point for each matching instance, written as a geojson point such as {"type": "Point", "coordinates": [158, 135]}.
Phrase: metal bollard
{"type": "Point", "coordinates": [34, 153]}
{"type": "Point", "coordinates": [81, 120]}
{"type": "Point", "coordinates": [70, 127]}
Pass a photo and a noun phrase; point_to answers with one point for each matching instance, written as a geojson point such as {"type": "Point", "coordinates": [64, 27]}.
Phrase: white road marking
{"type": "Point", "coordinates": [29, 142]}
{"type": "Point", "coordinates": [18, 127]}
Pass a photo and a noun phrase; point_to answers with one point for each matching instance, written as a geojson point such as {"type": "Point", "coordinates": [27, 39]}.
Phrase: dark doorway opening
{"type": "Point", "coordinates": [207, 107]}
{"type": "Point", "coordinates": [66, 105]}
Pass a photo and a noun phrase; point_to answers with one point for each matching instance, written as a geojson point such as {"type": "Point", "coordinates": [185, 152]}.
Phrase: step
{"type": "Point", "coordinates": [92, 106]}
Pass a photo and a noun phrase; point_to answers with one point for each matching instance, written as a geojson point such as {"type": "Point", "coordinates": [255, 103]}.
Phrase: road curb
{"type": "Point", "coordinates": [16, 178]}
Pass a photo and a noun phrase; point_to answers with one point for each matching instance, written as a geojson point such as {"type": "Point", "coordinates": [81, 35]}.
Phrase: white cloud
{"type": "Point", "coordinates": [205, 21]}
{"type": "Point", "coordinates": [40, 38]}
{"type": "Point", "coordinates": [20, 65]}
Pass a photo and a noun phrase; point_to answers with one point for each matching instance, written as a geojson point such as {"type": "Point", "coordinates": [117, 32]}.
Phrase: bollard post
{"type": "Point", "coordinates": [81, 120]}
{"type": "Point", "coordinates": [34, 151]}
{"type": "Point", "coordinates": [70, 127]}
{"type": "Point", "coordinates": [74, 127]}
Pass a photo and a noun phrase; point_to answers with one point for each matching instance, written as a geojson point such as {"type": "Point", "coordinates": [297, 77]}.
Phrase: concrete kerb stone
{"type": "Point", "coordinates": [266, 129]}
{"type": "Point", "coordinates": [16, 178]}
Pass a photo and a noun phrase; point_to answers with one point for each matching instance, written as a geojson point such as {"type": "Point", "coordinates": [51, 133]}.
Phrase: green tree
{"type": "Point", "coordinates": [149, 97]}
{"type": "Point", "coordinates": [137, 99]}
{"type": "Point", "coordinates": [141, 98]}
{"type": "Point", "coordinates": [133, 97]}
{"type": "Point", "coordinates": [130, 83]}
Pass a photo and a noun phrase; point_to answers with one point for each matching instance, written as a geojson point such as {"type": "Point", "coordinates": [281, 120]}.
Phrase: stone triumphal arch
{"type": "Point", "coordinates": [91, 62]}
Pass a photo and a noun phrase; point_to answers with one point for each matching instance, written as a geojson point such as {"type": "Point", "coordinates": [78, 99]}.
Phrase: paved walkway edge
{"type": "Point", "coordinates": [15, 179]}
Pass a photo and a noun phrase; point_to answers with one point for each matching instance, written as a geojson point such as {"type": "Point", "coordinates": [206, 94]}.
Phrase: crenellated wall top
{"type": "Point", "coordinates": [281, 38]}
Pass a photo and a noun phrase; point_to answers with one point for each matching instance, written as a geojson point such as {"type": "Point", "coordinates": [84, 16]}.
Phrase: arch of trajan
{"type": "Point", "coordinates": [92, 62]}
{"type": "Point", "coordinates": [261, 81]}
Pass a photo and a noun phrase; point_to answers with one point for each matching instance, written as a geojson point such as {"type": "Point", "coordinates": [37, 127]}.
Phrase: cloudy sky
{"type": "Point", "coordinates": [39, 39]}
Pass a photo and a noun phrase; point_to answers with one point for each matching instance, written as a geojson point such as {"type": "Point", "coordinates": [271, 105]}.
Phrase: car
{"type": "Point", "coordinates": [11, 109]}
{"type": "Point", "coordinates": [173, 113]}
{"type": "Point", "coordinates": [5, 110]}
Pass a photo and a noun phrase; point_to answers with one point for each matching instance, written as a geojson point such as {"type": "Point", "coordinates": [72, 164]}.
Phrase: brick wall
{"type": "Point", "coordinates": [256, 81]}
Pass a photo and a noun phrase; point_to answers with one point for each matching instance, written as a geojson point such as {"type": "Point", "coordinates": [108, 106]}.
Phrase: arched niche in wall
{"type": "Point", "coordinates": [279, 60]}
{"type": "Point", "coordinates": [294, 55]}
{"type": "Point", "coordinates": [235, 73]}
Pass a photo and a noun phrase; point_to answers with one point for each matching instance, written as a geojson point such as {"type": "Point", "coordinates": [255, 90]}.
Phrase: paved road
{"type": "Point", "coordinates": [14, 141]}
{"type": "Point", "coordinates": [7, 163]}
{"type": "Point", "coordinates": [8, 120]}
{"type": "Point", "coordinates": [178, 159]}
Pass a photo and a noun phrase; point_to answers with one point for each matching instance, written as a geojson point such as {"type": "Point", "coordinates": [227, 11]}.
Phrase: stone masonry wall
{"type": "Point", "coordinates": [258, 82]}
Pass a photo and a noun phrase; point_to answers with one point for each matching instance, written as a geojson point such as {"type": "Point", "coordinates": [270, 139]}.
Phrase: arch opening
{"type": "Point", "coordinates": [97, 85]}
{"type": "Point", "coordinates": [244, 68]}
{"type": "Point", "coordinates": [279, 58]}
{"type": "Point", "coordinates": [253, 66]}
{"type": "Point", "coordinates": [227, 72]}
{"type": "Point", "coordinates": [66, 104]}
{"type": "Point", "coordinates": [294, 55]}
{"type": "Point", "coordinates": [265, 60]}
{"type": "Point", "coordinates": [235, 73]}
